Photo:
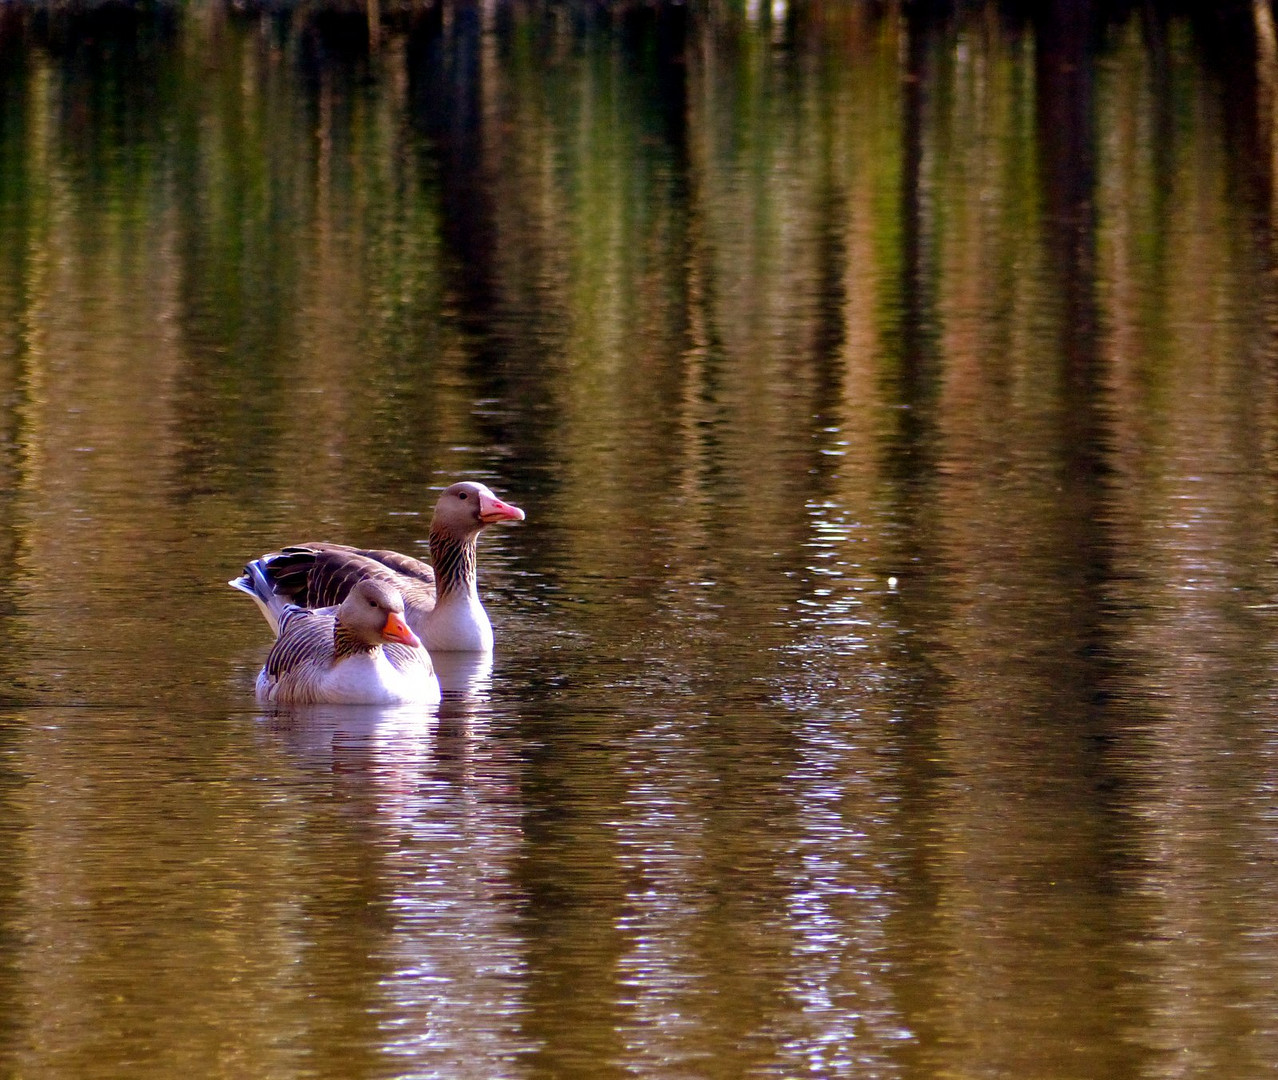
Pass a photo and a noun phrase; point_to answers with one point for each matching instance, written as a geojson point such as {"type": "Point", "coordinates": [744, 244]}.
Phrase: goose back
{"type": "Point", "coordinates": [321, 575]}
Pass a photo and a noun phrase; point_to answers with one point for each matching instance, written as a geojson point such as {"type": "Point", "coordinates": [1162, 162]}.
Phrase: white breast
{"type": "Point", "coordinates": [459, 623]}
{"type": "Point", "coordinates": [372, 679]}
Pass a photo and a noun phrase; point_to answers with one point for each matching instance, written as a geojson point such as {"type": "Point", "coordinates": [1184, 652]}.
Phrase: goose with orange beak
{"type": "Point", "coordinates": [363, 653]}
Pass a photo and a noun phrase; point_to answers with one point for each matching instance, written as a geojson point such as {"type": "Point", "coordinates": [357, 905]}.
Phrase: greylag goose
{"type": "Point", "coordinates": [441, 604]}
{"type": "Point", "coordinates": [364, 653]}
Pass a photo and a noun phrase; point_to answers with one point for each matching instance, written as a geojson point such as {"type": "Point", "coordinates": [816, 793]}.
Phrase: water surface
{"type": "Point", "coordinates": [883, 683]}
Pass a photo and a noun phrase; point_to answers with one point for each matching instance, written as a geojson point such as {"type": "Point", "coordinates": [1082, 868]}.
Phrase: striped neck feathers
{"type": "Point", "coordinates": [347, 643]}
{"type": "Point", "coordinates": [454, 561]}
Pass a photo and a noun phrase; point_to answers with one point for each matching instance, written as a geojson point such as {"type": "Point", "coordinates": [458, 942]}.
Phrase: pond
{"type": "Point", "coordinates": [884, 682]}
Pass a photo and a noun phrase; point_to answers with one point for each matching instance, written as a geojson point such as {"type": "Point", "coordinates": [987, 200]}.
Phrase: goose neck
{"type": "Point", "coordinates": [347, 643]}
{"type": "Point", "coordinates": [454, 561]}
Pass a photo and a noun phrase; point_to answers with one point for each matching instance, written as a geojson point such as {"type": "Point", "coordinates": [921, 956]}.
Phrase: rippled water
{"type": "Point", "coordinates": [884, 674]}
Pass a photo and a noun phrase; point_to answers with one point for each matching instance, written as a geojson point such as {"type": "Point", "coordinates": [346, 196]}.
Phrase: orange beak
{"type": "Point", "coordinates": [493, 510]}
{"type": "Point", "coordinates": [398, 630]}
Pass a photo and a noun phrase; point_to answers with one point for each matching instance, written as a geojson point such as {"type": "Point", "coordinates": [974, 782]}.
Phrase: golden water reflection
{"type": "Point", "coordinates": [884, 672]}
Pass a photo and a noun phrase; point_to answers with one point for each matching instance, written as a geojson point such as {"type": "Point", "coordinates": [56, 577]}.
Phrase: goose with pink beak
{"type": "Point", "coordinates": [441, 599]}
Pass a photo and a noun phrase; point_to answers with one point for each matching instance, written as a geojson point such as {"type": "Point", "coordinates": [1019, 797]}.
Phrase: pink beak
{"type": "Point", "coordinates": [493, 510]}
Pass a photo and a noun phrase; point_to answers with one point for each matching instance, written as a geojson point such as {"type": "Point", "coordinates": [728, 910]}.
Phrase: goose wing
{"type": "Point", "coordinates": [304, 648]}
{"type": "Point", "coordinates": [319, 575]}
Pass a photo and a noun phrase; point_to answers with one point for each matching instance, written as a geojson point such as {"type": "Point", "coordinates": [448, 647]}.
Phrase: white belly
{"type": "Point", "coordinates": [366, 679]}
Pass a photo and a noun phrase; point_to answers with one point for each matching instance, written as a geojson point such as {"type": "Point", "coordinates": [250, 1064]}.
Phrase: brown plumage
{"type": "Point", "coordinates": [318, 575]}
{"type": "Point", "coordinates": [362, 653]}
{"type": "Point", "coordinates": [441, 603]}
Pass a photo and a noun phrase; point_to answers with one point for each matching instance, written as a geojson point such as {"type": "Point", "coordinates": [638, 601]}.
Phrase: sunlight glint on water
{"type": "Point", "coordinates": [883, 675]}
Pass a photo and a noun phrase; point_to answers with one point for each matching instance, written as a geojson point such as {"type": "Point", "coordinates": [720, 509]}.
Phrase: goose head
{"type": "Point", "coordinates": [374, 613]}
{"type": "Point", "coordinates": [465, 508]}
